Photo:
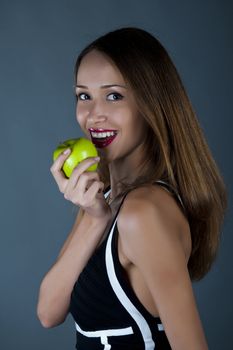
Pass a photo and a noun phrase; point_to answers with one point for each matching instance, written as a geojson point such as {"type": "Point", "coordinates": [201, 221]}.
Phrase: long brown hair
{"type": "Point", "coordinates": [176, 149]}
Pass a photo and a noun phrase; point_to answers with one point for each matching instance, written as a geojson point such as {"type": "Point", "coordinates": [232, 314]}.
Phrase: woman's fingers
{"type": "Point", "coordinates": [82, 181]}
{"type": "Point", "coordinates": [56, 170]}
{"type": "Point", "coordinates": [78, 184]}
{"type": "Point", "coordinates": [80, 169]}
{"type": "Point", "coordinates": [74, 188]}
{"type": "Point", "coordinates": [96, 187]}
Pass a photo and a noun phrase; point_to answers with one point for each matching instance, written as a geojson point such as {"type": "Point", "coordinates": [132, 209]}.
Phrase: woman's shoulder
{"type": "Point", "coordinates": [151, 205]}
{"type": "Point", "coordinates": [155, 196]}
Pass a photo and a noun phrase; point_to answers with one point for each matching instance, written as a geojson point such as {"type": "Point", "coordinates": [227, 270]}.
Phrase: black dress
{"type": "Point", "coordinates": [107, 312]}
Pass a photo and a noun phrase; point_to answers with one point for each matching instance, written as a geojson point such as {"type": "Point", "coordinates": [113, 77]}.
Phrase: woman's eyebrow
{"type": "Point", "coordinates": [103, 86]}
{"type": "Point", "coordinates": [112, 85]}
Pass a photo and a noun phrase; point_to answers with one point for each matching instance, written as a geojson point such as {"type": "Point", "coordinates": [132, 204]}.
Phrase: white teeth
{"type": "Point", "coordinates": [102, 134]}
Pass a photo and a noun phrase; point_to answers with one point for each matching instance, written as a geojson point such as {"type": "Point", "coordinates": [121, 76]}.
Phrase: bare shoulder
{"type": "Point", "coordinates": [159, 198]}
{"type": "Point", "coordinates": [153, 207]}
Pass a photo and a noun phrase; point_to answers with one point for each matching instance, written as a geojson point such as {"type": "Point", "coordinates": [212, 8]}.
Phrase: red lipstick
{"type": "Point", "coordinates": [101, 142]}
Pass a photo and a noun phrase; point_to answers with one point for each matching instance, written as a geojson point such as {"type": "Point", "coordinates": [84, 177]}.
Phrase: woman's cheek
{"type": "Point", "coordinates": [80, 114]}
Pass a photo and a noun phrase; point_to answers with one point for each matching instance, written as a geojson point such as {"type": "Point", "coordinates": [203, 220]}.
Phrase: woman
{"type": "Point", "coordinates": [150, 217]}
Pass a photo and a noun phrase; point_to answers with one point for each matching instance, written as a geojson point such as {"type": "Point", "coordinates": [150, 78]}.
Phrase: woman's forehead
{"type": "Point", "coordinates": [96, 66]}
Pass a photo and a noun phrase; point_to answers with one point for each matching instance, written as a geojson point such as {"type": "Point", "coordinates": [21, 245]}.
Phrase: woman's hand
{"type": "Point", "coordinates": [83, 188]}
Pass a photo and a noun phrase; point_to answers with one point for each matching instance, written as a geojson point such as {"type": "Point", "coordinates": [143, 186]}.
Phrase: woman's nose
{"type": "Point", "coordinates": [97, 112]}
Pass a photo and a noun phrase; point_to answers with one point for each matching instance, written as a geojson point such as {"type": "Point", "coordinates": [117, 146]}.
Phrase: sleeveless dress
{"type": "Point", "coordinates": [106, 311]}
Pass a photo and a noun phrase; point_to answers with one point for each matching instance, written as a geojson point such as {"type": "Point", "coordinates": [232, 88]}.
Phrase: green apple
{"type": "Point", "coordinates": [81, 149]}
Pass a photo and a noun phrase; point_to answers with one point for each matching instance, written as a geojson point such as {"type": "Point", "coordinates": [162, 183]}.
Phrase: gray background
{"type": "Point", "coordinates": [39, 42]}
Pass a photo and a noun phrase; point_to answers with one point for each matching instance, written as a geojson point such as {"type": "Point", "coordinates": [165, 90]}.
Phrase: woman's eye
{"type": "Point", "coordinates": [114, 96]}
{"type": "Point", "coordinates": [82, 96]}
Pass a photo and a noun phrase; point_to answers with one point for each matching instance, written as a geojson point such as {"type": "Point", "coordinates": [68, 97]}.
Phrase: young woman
{"type": "Point", "coordinates": [150, 217]}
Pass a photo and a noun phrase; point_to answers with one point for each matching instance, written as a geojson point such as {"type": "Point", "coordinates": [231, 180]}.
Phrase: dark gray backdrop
{"type": "Point", "coordinates": [39, 41]}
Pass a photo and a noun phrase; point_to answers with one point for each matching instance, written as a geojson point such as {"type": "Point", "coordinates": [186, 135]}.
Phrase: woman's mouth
{"type": "Point", "coordinates": [103, 139]}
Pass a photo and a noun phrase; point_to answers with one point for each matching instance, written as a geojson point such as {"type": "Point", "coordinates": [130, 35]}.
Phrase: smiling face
{"type": "Point", "coordinates": [105, 101]}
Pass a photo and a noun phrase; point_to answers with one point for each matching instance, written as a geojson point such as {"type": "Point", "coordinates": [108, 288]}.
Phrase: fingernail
{"type": "Point", "coordinates": [66, 151]}
{"type": "Point", "coordinates": [97, 159]}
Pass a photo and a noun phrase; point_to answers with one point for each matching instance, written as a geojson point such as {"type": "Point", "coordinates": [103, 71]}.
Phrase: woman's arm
{"type": "Point", "coordinates": [83, 189]}
{"type": "Point", "coordinates": [57, 285]}
{"type": "Point", "coordinates": [74, 228]}
{"type": "Point", "coordinates": [151, 241]}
